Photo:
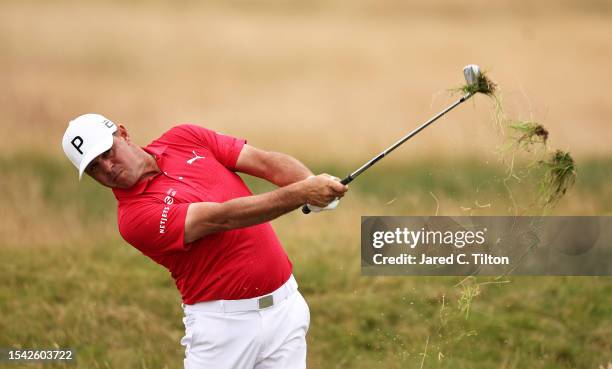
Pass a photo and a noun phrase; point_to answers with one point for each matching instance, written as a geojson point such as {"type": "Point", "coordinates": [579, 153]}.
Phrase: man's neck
{"type": "Point", "coordinates": [150, 167]}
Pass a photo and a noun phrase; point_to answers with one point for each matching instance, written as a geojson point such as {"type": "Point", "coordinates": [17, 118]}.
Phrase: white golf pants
{"type": "Point", "coordinates": [248, 334]}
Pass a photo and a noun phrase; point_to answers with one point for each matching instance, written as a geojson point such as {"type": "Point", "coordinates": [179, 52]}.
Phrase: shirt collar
{"type": "Point", "coordinates": [141, 186]}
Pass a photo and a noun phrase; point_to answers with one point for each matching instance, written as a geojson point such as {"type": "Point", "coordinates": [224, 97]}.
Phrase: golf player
{"type": "Point", "coordinates": [181, 203]}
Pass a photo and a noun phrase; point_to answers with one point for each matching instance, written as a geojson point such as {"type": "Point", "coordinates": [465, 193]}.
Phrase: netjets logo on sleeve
{"type": "Point", "coordinates": [168, 200]}
{"type": "Point", "coordinates": [196, 157]}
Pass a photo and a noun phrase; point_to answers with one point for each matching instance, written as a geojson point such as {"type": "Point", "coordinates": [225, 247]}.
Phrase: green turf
{"type": "Point", "coordinates": [120, 310]}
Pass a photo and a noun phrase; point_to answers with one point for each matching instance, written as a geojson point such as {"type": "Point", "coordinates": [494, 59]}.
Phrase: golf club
{"type": "Point", "coordinates": [471, 73]}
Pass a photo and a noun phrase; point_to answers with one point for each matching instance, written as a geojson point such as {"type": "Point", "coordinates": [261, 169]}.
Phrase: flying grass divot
{"type": "Point", "coordinates": [559, 168]}
{"type": "Point", "coordinates": [529, 132]}
{"type": "Point", "coordinates": [529, 136]}
{"type": "Point", "coordinates": [482, 85]}
{"type": "Point", "coordinates": [559, 177]}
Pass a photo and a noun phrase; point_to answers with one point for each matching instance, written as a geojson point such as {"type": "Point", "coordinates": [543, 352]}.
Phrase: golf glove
{"type": "Point", "coordinates": [331, 206]}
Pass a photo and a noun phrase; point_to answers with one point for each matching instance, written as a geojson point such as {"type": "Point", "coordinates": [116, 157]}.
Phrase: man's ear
{"type": "Point", "coordinates": [123, 133]}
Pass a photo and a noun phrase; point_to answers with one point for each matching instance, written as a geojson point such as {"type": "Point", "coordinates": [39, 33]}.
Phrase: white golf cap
{"type": "Point", "coordinates": [86, 137]}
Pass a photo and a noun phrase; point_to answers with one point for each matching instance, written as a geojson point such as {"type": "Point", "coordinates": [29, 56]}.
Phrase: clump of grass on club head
{"type": "Point", "coordinates": [483, 85]}
{"type": "Point", "coordinates": [486, 86]}
{"type": "Point", "coordinates": [559, 176]}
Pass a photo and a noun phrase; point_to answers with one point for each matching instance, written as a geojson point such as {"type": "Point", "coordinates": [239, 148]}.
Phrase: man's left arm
{"type": "Point", "coordinates": [280, 169]}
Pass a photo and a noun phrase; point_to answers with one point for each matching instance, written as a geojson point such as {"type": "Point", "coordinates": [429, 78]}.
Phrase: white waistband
{"type": "Point", "coordinates": [255, 303]}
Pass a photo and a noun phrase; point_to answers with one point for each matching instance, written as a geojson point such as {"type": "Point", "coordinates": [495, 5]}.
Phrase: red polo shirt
{"type": "Point", "coordinates": [197, 165]}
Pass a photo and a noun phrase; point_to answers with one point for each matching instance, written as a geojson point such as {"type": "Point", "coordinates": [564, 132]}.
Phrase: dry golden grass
{"type": "Point", "coordinates": [331, 81]}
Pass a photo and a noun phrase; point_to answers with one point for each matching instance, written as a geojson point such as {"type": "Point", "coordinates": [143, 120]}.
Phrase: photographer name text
{"type": "Point", "coordinates": [459, 259]}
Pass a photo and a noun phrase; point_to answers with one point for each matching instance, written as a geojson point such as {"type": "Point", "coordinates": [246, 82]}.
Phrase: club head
{"type": "Point", "coordinates": [471, 73]}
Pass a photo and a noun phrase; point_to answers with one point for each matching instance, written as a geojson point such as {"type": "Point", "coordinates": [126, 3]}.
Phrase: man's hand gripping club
{"type": "Point", "coordinates": [326, 194]}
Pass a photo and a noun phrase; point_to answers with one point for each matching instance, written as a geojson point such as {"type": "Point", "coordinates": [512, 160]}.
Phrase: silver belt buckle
{"type": "Point", "coordinates": [265, 302]}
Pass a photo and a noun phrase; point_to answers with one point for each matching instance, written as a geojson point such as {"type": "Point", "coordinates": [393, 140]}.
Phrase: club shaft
{"type": "Point", "coordinates": [364, 167]}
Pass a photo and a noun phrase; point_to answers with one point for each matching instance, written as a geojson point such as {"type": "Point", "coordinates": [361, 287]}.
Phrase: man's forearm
{"type": "Point", "coordinates": [208, 217]}
{"type": "Point", "coordinates": [246, 211]}
{"type": "Point", "coordinates": [282, 169]}
{"type": "Point", "coordinates": [204, 218]}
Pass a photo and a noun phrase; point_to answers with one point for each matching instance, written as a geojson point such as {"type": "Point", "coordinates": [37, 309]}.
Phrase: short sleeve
{"type": "Point", "coordinates": [226, 149]}
{"type": "Point", "coordinates": [154, 228]}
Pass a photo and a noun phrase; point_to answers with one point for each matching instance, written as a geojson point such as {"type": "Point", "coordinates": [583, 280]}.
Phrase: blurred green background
{"type": "Point", "coordinates": [331, 82]}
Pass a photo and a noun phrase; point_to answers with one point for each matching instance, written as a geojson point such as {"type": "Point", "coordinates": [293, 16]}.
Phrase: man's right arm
{"type": "Point", "coordinates": [205, 218]}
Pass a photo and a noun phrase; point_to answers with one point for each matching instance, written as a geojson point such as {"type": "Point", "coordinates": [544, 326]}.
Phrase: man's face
{"type": "Point", "coordinates": [118, 167]}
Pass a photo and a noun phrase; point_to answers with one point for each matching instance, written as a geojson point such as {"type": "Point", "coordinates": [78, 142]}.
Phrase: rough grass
{"type": "Point", "coordinates": [119, 310]}
{"type": "Point", "coordinates": [88, 290]}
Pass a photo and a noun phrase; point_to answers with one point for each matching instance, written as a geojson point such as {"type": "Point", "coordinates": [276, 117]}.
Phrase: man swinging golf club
{"type": "Point", "coordinates": [181, 203]}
